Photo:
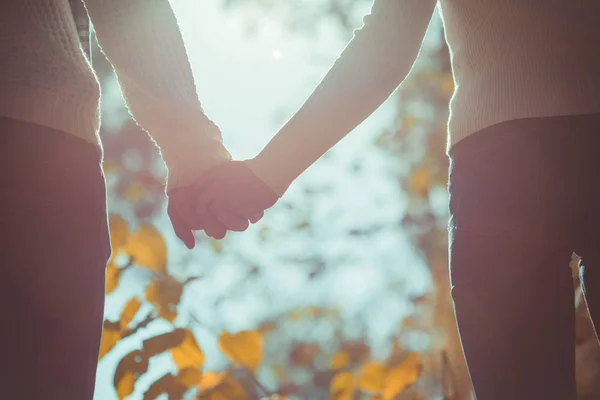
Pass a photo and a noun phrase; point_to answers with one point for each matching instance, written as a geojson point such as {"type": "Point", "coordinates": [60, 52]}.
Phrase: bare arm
{"type": "Point", "coordinates": [372, 65]}
{"type": "Point", "coordinates": [142, 40]}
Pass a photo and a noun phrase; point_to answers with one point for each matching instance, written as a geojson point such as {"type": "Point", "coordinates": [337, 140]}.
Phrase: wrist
{"type": "Point", "coordinates": [187, 163]}
{"type": "Point", "coordinates": [270, 172]}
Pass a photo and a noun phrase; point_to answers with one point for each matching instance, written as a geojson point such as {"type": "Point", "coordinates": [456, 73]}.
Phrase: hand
{"type": "Point", "coordinates": [234, 195]}
{"type": "Point", "coordinates": [181, 211]}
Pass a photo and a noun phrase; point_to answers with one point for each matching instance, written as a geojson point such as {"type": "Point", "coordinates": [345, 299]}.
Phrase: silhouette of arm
{"type": "Point", "coordinates": [372, 65]}
{"type": "Point", "coordinates": [142, 40]}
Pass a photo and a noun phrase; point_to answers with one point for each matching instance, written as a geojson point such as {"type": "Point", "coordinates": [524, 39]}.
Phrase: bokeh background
{"type": "Point", "coordinates": [341, 291]}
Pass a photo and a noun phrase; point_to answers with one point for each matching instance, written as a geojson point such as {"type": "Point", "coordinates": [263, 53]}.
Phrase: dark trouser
{"type": "Point", "coordinates": [524, 195]}
{"type": "Point", "coordinates": [54, 244]}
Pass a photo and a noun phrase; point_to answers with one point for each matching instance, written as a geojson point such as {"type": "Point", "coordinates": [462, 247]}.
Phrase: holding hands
{"type": "Point", "coordinates": [227, 197]}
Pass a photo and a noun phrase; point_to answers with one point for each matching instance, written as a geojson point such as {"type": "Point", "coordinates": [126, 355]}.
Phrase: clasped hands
{"type": "Point", "coordinates": [228, 197]}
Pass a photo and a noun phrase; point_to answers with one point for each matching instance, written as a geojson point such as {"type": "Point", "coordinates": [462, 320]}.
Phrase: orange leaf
{"type": "Point", "coordinates": [189, 377]}
{"type": "Point", "coordinates": [243, 348]}
{"type": "Point", "coordinates": [128, 370]}
{"type": "Point", "coordinates": [339, 360]}
{"type": "Point", "coordinates": [147, 247]}
{"type": "Point", "coordinates": [229, 389]}
{"type": "Point", "coordinates": [164, 294]}
{"type": "Point", "coordinates": [420, 180]}
{"type": "Point", "coordinates": [372, 377]}
{"type": "Point", "coordinates": [119, 232]}
{"type": "Point", "coordinates": [129, 311]}
{"type": "Point", "coordinates": [134, 192]}
{"type": "Point", "coordinates": [188, 353]}
{"type": "Point", "coordinates": [125, 386]}
{"type": "Point", "coordinates": [112, 278]}
{"type": "Point", "coordinates": [402, 376]}
{"type": "Point", "coordinates": [211, 380]}
{"type": "Point", "coordinates": [110, 336]}
{"type": "Point", "coordinates": [342, 386]}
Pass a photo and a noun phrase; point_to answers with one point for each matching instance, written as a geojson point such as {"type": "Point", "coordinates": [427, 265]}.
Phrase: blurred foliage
{"type": "Point", "coordinates": [348, 373]}
{"type": "Point", "coordinates": [297, 365]}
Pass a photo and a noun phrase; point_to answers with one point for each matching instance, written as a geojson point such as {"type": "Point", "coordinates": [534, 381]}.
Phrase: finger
{"type": "Point", "coordinates": [213, 227]}
{"type": "Point", "coordinates": [256, 217]}
{"type": "Point", "coordinates": [231, 220]}
{"type": "Point", "coordinates": [183, 201]}
{"type": "Point", "coordinates": [208, 197]}
{"type": "Point", "coordinates": [182, 231]}
{"type": "Point", "coordinates": [243, 205]}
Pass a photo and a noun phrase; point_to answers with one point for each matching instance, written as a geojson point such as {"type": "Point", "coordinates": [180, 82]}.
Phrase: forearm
{"type": "Point", "coordinates": [370, 68]}
{"type": "Point", "coordinates": [142, 40]}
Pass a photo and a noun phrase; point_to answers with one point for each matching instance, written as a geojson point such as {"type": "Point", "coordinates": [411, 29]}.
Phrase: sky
{"type": "Point", "coordinates": [249, 85]}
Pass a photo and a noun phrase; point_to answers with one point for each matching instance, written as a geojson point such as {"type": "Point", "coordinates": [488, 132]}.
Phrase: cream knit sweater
{"type": "Point", "coordinates": [46, 79]}
{"type": "Point", "coordinates": [510, 59]}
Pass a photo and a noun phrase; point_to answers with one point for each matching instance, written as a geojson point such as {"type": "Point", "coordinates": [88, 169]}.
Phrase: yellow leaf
{"type": "Point", "coordinates": [110, 337]}
{"type": "Point", "coordinates": [129, 311]}
{"type": "Point", "coordinates": [188, 354]}
{"type": "Point", "coordinates": [112, 278]}
{"type": "Point", "coordinates": [372, 377]}
{"type": "Point", "coordinates": [339, 360]}
{"type": "Point", "coordinates": [147, 247]}
{"type": "Point", "coordinates": [164, 294]}
{"type": "Point", "coordinates": [125, 385]}
{"type": "Point", "coordinates": [243, 348]}
{"type": "Point", "coordinates": [210, 380]}
{"type": "Point", "coordinates": [152, 294]}
{"type": "Point", "coordinates": [342, 386]}
{"type": "Point", "coordinates": [402, 376]}
{"type": "Point", "coordinates": [189, 377]}
{"type": "Point", "coordinates": [119, 231]}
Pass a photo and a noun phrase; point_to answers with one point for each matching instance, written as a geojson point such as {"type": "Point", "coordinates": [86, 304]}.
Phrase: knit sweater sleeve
{"type": "Point", "coordinates": [142, 40]}
{"type": "Point", "coordinates": [372, 65]}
